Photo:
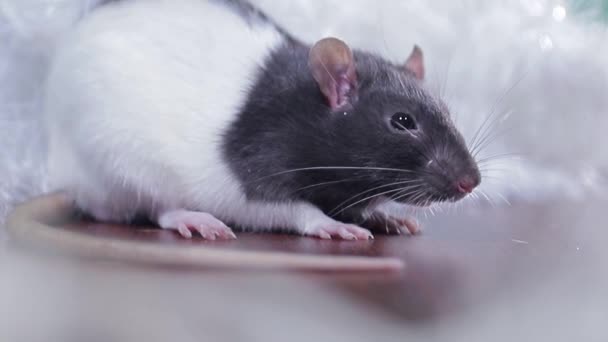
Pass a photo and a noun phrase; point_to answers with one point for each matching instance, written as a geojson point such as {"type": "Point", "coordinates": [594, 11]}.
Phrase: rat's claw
{"type": "Point", "coordinates": [324, 235]}
{"type": "Point", "coordinates": [346, 235]}
{"type": "Point", "coordinates": [207, 235]}
{"type": "Point", "coordinates": [222, 231]}
{"type": "Point", "coordinates": [411, 224]}
{"type": "Point", "coordinates": [184, 231]}
{"type": "Point", "coordinates": [205, 224]}
{"type": "Point", "coordinates": [360, 233]}
{"type": "Point", "coordinates": [337, 229]}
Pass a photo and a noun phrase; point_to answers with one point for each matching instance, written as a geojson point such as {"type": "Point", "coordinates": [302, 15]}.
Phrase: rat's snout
{"type": "Point", "coordinates": [453, 179]}
{"type": "Point", "coordinates": [467, 184]}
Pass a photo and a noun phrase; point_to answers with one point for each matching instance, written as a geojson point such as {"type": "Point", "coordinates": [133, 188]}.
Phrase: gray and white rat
{"type": "Point", "coordinates": [200, 114]}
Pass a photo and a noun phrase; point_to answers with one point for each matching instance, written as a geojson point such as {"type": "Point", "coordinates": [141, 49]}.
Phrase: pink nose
{"type": "Point", "coordinates": [466, 185]}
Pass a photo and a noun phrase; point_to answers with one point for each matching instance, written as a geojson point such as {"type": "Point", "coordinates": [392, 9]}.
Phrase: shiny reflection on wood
{"type": "Point", "coordinates": [461, 258]}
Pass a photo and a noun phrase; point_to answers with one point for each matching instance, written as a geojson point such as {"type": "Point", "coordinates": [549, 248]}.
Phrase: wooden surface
{"type": "Point", "coordinates": [459, 259]}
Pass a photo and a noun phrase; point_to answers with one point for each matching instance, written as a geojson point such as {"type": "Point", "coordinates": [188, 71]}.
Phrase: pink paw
{"type": "Point", "coordinates": [205, 224]}
{"type": "Point", "coordinates": [341, 230]}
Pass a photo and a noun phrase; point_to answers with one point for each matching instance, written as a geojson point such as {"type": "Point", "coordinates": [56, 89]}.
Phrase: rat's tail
{"type": "Point", "coordinates": [44, 224]}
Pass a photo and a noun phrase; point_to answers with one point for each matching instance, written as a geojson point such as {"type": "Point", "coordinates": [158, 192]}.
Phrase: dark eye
{"type": "Point", "coordinates": [403, 121]}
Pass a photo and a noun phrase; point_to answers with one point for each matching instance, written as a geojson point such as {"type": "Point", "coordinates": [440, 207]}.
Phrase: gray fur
{"type": "Point", "coordinates": [287, 124]}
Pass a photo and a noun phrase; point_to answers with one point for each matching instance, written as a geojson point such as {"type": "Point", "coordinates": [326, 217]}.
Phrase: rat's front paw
{"type": "Point", "coordinates": [340, 230]}
{"type": "Point", "coordinates": [184, 222]}
{"type": "Point", "coordinates": [392, 225]}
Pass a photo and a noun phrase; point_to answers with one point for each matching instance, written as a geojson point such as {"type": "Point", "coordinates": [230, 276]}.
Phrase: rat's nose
{"type": "Point", "coordinates": [466, 185]}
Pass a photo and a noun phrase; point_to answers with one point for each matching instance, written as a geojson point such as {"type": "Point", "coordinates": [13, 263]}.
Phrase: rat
{"type": "Point", "coordinates": [205, 115]}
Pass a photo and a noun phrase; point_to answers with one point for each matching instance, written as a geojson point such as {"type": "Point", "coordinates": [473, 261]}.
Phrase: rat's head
{"type": "Point", "coordinates": [382, 119]}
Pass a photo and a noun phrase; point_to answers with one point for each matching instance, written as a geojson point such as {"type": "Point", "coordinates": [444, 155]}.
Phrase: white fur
{"type": "Point", "coordinates": [138, 100]}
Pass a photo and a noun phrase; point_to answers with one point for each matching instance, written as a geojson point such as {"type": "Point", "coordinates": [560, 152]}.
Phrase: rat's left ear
{"type": "Point", "coordinates": [332, 65]}
{"type": "Point", "coordinates": [415, 63]}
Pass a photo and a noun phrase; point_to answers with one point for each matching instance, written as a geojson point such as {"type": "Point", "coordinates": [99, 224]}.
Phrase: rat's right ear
{"type": "Point", "coordinates": [333, 67]}
{"type": "Point", "coordinates": [415, 63]}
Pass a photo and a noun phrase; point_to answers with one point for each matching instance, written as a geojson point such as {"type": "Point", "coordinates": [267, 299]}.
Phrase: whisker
{"type": "Point", "coordinates": [320, 168]}
{"type": "Point", "coordinates": [415, 199]}
{"type": "Point", "coordinates": [493, 169]}
{"type": "Point", "coordinates": [363, 200]}
{"type": "Point", "coordinates": [491, 178]}
{"type": "Point", "coordinates": [431, 208]}
{"type": "Point", "coordinates": [352, 179]}
{"type": "Point", "coordinates": [490, 138]}
{"type": "Point", "coordinates": [491, 117]}
{"type": "Point", "coordinates": [504, 199]}
{"type": "Point", "coordinates": [474, 195]}
{"type": "Point", "coordinates": [494, 106]}
{"type": "Point", "coordinates": [513, 155]}
{"type": "Point", "coordinates": [371, 197]}
{"type": "Point", "coordinates": [483, 193]}
{"type": "Point", "coordinates": [447, 74]}
{"type": "Point", "coordinates": [371, 190]}
{"type": "Point", "coordinates": [489, 132]}
{"type": "Point", "coordinates": [408, 192]}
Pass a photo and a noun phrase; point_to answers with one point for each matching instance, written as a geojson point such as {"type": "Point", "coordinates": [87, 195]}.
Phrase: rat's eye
{"type": "Point", "coordinates": [403, 121]}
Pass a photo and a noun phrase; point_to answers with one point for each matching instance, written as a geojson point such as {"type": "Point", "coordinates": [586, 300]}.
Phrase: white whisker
{"type": "Point", "coordinates": [371, 190]}
{"type": "Point", "coordinates": [329, 183]}
{"type": "Point", "coordinates": [363, 200]}
{"type": "Point", "coordinates": [319, 168]}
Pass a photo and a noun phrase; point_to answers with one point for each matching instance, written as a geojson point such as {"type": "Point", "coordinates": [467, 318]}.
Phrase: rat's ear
{"type": "Point", "coordinates": [333, 67]}
{"type": "Point", "coordinates": [415, 63]}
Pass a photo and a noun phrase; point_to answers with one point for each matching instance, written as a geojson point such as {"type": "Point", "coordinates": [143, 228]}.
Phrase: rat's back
{"type": "Point", "coordinates": [139, 97]}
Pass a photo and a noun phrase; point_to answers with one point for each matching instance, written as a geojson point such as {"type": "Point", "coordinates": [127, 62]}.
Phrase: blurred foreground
{"type": "Point", "coordinates": [500, 274]}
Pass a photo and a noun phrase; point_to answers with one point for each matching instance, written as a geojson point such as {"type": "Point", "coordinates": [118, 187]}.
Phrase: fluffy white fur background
{"type": "Point", "coordinates": [542, 69]}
